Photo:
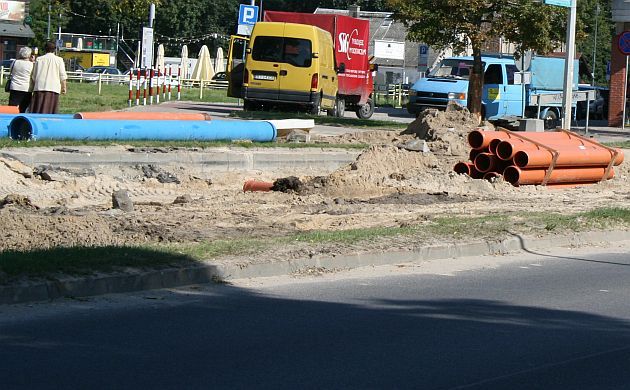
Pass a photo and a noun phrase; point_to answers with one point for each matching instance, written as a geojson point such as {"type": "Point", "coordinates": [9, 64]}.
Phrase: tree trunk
{"type": "Point", "coordinates": [475, 84]}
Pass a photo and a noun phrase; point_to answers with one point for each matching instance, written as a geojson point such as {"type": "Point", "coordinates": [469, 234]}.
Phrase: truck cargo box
{"type": "Point", "coordinates": [351, 38]}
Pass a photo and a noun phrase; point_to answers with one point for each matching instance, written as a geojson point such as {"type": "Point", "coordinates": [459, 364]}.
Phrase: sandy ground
{"type": "Point", "coordinates": [386, 186]}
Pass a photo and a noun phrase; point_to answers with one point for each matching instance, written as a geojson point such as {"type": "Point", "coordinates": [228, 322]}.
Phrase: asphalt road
{"type": "Point", "coordinates": [555, 321]}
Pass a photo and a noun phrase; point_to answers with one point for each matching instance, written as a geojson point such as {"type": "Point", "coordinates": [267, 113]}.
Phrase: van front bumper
{"type": "Point", "coordinates": [284, 97]}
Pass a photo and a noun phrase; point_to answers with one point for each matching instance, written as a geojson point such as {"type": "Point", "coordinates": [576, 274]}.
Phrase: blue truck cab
{"type": "Point", "coordinates": [503, 95]}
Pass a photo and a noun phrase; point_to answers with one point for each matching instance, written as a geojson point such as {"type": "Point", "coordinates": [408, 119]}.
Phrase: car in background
{"type": "Point", "coordinates": [7, 63]}
{"type": "Point", "coordinates": [90, 75]}
{"type": "Point", "coordinates": [598, 108]}
{"type": "Point", "coordinates": [220, 76]}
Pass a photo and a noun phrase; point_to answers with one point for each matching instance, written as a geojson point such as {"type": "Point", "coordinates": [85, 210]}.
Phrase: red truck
{"type": "Point", "coordinates": [350, 38]}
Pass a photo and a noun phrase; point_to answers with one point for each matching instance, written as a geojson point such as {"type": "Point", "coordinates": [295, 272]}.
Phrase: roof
{"type": "Point", "coordinates": [18, 30]}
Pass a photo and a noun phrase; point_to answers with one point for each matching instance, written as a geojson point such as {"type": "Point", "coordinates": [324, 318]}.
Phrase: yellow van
{"type": "Point", "coordinates": [290, 64]}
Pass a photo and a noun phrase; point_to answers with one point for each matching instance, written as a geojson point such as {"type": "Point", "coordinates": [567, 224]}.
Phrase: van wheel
{"type": "Point", "coordinates": [339, 109]}
{"type": "Point", "coordinates": [366, 110]}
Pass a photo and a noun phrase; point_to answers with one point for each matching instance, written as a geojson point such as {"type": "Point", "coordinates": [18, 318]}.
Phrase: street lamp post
{"type": "Point", "coordinates": [595, 43]}
{"type": "Point", "coordinates": [567, 95]}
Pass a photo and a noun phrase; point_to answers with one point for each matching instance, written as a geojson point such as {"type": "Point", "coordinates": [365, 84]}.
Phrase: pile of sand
{"type": "Point", "coordinates": [446, 131]}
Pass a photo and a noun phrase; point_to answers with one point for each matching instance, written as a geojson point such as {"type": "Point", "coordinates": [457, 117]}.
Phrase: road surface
{"type": "Point", "coordinates": [558, 320]}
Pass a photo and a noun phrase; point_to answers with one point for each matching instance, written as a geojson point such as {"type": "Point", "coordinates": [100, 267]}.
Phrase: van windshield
{"type": "Point", "coordinates": [453, 68]}
{"type": "Point", "coordinates": [294, 51]}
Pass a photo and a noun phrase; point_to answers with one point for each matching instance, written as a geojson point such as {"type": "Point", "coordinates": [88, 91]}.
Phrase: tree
{"type": "Point", "coordinates": [453, 23]}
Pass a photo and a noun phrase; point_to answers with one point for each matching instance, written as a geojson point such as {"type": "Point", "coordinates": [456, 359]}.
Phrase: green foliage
{"type": "Point", "coordinates": [587, 14]}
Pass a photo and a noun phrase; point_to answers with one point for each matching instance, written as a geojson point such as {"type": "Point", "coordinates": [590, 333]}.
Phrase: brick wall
{"type": "Point", "coordinates": [617, 80]}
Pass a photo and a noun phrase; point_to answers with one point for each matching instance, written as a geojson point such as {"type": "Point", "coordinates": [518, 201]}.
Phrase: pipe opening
{"type": "Point", "coordinates": [505, 150]}
{"type": "Point", "coordinates": [521, 159]}
{"type": "Point", "coordinates": [484, 162]}
{"type": "Point", "coordinates": [462, 168]}
{"type": "Point", "coordinates": [493, 145]}
{"type": "Point", "coordinates": [20, 129]}
{"type": "Point", "coordinates": [475, 139]}
{"type": "Point", "coordinates": [474, 153]}
{"type": "Point", "coordinates": [511, 175]}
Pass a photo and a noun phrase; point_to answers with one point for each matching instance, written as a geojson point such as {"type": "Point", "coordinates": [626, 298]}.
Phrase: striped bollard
{"type": "Point", "coordinates": [151, 86]}
{"type": "Point", "coordinates": [130, 86]}
{"type": "Point", "coordinates": [157, 86]}
{"type": "Point", "coordinates": [146, 79]}
{"type": "Point", "coordinates": [170, 80]}
{"type": "Point", "coordinates": [179, 82]}
{"type": "Point", "coordinates": [138, 87]}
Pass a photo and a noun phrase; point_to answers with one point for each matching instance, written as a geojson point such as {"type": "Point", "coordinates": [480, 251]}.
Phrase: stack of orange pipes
{"type": "Point", "coordinates": [549, 158]}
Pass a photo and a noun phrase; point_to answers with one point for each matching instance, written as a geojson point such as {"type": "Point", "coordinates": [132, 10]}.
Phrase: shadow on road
{"type": "Point", "coordinates": [226, 337]}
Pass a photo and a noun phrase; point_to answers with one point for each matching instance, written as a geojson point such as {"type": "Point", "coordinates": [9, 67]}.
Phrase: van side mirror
{"type": "Point", "coordinates": [315, 55]}
{"type": "Point", "coordinates": [341, 68]}
{"type": "Point", "coordinates": [248, 50]}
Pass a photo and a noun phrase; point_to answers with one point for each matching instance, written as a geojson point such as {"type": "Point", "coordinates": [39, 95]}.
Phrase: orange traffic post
{"type": "Point", "coordinates": [9, 110]}
{"type": "Point", "coordinates": [576, 156]}
{"type": "Point", "coordinates": [133, 115]}
{"type": "Point", "coordinates": [518, 176]}
{"type": "Point", "coordinates": [257, 185]}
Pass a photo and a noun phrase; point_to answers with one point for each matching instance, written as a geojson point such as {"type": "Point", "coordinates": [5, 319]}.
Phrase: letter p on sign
{"type": "Point", "coordinates": [247, 14]}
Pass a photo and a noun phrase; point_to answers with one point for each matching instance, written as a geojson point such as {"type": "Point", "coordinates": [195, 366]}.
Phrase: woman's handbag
{"type": "Point", "coordinates": [7, 86]}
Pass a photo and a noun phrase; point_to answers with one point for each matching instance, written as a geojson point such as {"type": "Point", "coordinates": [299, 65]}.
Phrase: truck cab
{"type": "Point", "coordinates": [449, 81]}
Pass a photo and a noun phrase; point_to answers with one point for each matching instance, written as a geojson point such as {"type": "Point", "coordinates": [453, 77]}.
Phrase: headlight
{"type": "Point", "coordinates": [457, 96]}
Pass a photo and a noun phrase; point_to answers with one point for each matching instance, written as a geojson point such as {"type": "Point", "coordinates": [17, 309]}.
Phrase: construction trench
{"type": "Point", "coordinates": [63, 196]}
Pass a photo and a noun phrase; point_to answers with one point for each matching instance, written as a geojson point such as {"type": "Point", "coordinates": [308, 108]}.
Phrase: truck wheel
{"type": "Point", "coordinates": [551, 120]}
{"type": "Point", "coordinates": [365, 111]}
{"type": "Point", "coordinates": [339, 110]}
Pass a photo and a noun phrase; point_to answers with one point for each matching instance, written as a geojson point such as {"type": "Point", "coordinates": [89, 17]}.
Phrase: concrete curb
{"type": "Point", "coordinates": [90, 286]}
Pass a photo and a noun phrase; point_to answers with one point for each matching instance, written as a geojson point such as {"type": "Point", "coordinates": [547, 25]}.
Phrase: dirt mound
{"type": "Point", "coordinates": [446, 131]}
{"type": "Point", "coordinates": [370, 137]}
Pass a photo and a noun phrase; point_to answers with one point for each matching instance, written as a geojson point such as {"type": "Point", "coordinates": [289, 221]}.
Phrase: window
{"type": "Point", "coordinates": [10, 49]}
{"type": "Point", "coordinates": [453, 68]}
{"type": "Point", "coordinates": [493, 75]}
{"type": "Point", "coordinates": [510, 70]}
{"type": "Point", "coordinates": [294, 51]}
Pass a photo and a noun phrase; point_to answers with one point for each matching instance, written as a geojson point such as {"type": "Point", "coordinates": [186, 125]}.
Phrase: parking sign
{"type": "Point", "coordinates": [247, 14]}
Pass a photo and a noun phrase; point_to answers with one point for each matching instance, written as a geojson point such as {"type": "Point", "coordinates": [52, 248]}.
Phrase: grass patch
{"type": "Point", "coordinates": [84, 97]}
{"type": "Point", "coordinates": [321, 120]}
{"type": "Point", "coordinates": [619, 144]}
{"type": "Point", "coordinates": [82, 261]}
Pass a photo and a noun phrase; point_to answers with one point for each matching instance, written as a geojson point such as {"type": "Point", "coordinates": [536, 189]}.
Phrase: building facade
{"type": "Point", "coordinates": [14, 33]}
{"type": "Point", "coordinates": [618, 77]}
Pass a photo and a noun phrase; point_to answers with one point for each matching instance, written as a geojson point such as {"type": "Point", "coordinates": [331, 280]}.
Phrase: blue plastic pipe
{"type": "Point", "coordinates": [5, 120]}
{"type": "Point", "coordinates": [25, 127]}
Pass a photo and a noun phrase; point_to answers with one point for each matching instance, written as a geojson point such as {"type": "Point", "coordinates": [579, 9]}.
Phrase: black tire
{"type": "Point", "coordinates": [366, 110]}
{"type": "Point", "coordinates": [339, 110]}
{"type": "Point", "coordinates": [248, 105]}
{"type": "Point", "coordinates": [316, 108]}
{"type": "Point", "coordinates": [551, 120]}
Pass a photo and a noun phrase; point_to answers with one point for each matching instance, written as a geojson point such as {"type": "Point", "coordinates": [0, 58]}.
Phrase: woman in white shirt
{"type": "Point", "coordinates": [21, 85]}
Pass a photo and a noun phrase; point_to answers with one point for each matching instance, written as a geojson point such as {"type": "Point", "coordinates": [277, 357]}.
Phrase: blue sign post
{"type": "Point", "coordinates": [559, 3]}
{"type": "Point", "coordinates": [247, 18]}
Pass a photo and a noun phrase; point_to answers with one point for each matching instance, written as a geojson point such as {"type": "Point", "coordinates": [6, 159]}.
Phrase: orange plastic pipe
{"type": "Point", "coordinates": [506, 149]}
{"type": "Point", "coordinates": [479, 139]}
{"type": "Point", "coordinates": [132, 115]}
{"type": "Point", "coordinates": [467, 169]}
{"type": "Point", "coordinates": [486, 162]}
{"type": "Point", "coordinates": [577, 156]}
{"type": "Point", "coordinates": [475, 152]}
{"type": "Point", "coordinates": [257, 185]}
{"type": "Point", "coordinates": [518, 176]}
{"type": "Point", "coordinates": [9, 110]}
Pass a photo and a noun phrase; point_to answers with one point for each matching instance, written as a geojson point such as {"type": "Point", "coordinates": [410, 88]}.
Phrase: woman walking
{"type": "Point", "coordinates": [49, 80]}
{"type": "Point", "coordinates": [21, 85]}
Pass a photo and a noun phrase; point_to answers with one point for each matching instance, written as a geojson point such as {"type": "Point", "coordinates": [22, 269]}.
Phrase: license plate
{"type": "Point", "coordinates": [264, 77]}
